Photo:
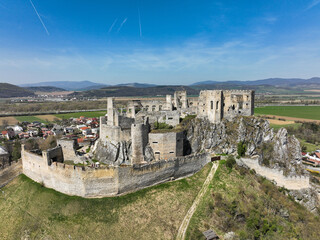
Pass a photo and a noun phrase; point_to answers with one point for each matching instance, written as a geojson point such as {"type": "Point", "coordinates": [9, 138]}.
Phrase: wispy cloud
{"type": "Point", "coordinates": [271, 19]}
{"type": "Point", "coordinates": [112, 25]}
{"type": "Point", "coordinates": [44, 26]}
{"type": "Point", "coordinates": [313, 4]}
{"type": "Point", "coordinates": [123, 22]}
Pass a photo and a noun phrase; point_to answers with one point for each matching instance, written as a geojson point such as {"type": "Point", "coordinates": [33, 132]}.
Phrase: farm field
{"type": "Point", "coordinates": [9, 120]}
{"type": "Point", "coordinates": [301, 112]}
{"type": "Point", "coordinates": [30, 211]}
{"type": "Point", "coordinates": [49, 117]}
{"type": "Point", "coordinates": [79, 114]}
{"type": "Point", "coordinates": [29, 119]}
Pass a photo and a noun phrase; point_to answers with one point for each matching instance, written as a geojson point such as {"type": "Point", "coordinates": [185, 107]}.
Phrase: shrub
{"type": "Point", "coordinates": [161, 125]}
{"type": "Point", "coordinates": [230, 162]}
{"type": "Point", "coordinates": [242, 148]}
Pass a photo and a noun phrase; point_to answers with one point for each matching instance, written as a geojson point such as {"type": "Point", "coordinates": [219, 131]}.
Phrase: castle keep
{"type": "Point", "coordinates": [131, 152]}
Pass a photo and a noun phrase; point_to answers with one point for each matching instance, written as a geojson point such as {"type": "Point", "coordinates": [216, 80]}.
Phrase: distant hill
{"type": "Point", "coordinates": [137, 85]}
{"type": "Point", "coordinates": [68, 85]}
{"type": "Point", "coordinates": [45, 89]}
{"type": "Point", "coordinates": [8, 90]}
{"type": "Point", "coordinates": [297, 83]}
{"type": "Point", "coordinates": [125, 91]}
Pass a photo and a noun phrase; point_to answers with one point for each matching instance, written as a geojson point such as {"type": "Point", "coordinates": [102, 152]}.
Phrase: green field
{"type": "Point", "coordinates": [30, 211]}
{"type": "Point", "coordinates": [79, 114]}
{"type": "Point", "coordinates": [29, 119]}
{"type": "Point", "coordinates": [308, 112]}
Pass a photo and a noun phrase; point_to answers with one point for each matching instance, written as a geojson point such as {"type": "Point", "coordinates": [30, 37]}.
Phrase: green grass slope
{"type": "Point", "coordinates": [308, 112]}
{"type": "Point", "coordinates": [252, 207]}
{"type": "Point", "coordinates": [30, 211]}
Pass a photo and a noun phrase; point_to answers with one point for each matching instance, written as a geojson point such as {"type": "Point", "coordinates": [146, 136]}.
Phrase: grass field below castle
{"type": "Point", "coordinates": [305, 112]}
{"type": "Point", "coordinates": [30, 211]}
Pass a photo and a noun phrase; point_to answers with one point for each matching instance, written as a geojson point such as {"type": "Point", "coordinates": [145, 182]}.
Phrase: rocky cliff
{"type": "Point", "coordinates": [275, 150]}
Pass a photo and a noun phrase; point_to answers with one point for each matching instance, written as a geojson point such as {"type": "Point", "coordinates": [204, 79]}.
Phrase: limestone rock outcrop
{"type": "Point", "coordinates": [278, 150]}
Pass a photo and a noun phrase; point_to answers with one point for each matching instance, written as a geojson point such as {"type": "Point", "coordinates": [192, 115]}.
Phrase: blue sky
{"type": "Point", "coordinates": [164, 42]}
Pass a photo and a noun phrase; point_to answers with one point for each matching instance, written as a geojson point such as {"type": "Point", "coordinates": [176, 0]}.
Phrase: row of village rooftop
{"type": "Point", "coordinates": [85, 129]}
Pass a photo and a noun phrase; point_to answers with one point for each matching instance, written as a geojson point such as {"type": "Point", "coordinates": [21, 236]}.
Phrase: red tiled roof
{"type": "Point", "coordinates": [4, 132]}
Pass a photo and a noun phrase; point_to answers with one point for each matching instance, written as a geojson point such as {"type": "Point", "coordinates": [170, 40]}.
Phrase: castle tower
{"type": "Point", "coordinates": [110, 112]}
{"type": "Point", "coordinates": [210, 105]}
{"type": "Point", "coordinates": [169, 106]}
{"type": "Point", "coordinates": [139, 136]}
{"type": "Point", "coordinates": [180, 99]}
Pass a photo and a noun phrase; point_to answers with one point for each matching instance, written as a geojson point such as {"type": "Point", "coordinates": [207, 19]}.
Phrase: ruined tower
{"type": "Point", "coordinates": [180, 99]}
{"type": "Point", "coordinates": [140, 139]}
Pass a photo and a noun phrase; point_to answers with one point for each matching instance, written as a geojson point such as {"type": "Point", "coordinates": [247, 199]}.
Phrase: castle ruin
{"type": "Point", "coordinates": [131, 153]}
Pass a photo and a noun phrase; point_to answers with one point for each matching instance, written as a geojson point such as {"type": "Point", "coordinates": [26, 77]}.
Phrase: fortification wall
{"type": "Point", "coordinates": [290, 182]}
{"type": "Point", "coordinates": [107, 181]}
{"type": "Point", "coordinates": [141, 176]}
{"type": "Point", "coordinates": [114, 133]}
{"type": "Point", "coordinates": [69, 179]}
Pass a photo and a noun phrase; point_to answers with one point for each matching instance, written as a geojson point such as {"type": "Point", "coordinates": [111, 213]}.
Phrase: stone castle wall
{"type": "Point", "coordinates": [107, 181]}
{"type": "Point", "coordinates": [136, 177]}
{"type": "Point", "coordinates": [69, 179]}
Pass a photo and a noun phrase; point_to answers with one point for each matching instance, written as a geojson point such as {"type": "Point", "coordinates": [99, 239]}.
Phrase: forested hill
{"type": "Point", "coordinates": [125, 91]}
{"type": "Point", "coordinates": [9, 90]}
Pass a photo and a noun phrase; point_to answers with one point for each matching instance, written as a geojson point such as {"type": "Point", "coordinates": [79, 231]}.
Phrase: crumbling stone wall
{"type": "Point", "coordinates": [227, 104]}
{"type": "Point", "coordinates": [238, 103]}
{"type": "Point", "coordinates": [166, 145]}
{"type": "Point", "coordinates": [69, 147]}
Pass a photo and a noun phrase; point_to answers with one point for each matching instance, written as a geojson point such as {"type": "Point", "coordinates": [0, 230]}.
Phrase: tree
{"type": "Point", "coordinates": [16, 151]}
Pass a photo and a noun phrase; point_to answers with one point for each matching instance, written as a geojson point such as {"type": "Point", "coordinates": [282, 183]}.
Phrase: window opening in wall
{"type": "Point", "coordinates": [154, 142]}
{"type": "Point", "coordinates": [240, 105]}
{"type": "Point", "coordinates": [211, 104]}
{"type": "Point", "coordinates": [217, 105]}
{"type": "Point", "coordinates": [171, 152]}
{"type": "Point", "coordinates": [233, 107]}
{"type": "Point", "coordinates": [170, 118]}
{"type": "Point", "coordinates": [157, 153]}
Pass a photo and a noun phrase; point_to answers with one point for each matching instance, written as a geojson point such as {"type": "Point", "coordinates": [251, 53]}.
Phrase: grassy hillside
{"type": "Point", "coordinates": [29, 210]}
{"type": "Point", "coordinates": [9, 90]}
{"type": "Point", "coordinates": [308, 112]}
{"type": "Point", "coordinates": [252, 207]}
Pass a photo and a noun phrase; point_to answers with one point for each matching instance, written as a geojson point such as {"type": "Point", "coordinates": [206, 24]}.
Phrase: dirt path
{"type": "Point", "coordinates": [185, 223]}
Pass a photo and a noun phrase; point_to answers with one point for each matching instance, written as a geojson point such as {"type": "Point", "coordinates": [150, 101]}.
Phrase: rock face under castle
{"type": "Point", "coordinates": [132, 152]}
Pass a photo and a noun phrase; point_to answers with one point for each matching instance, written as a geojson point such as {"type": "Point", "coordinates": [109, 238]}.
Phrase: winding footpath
{"type": "Point", "coordinates": [185, 223]}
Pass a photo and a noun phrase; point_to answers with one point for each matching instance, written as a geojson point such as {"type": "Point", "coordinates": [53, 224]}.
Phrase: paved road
{"type": "Point", "coordinates": [185, 223]}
